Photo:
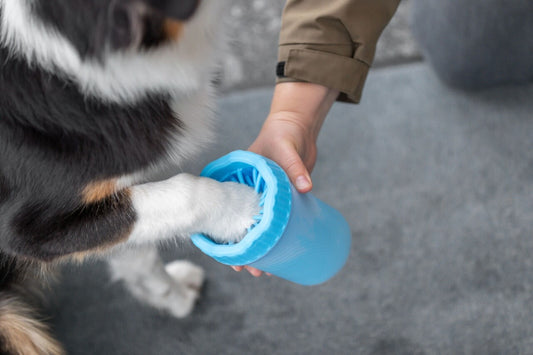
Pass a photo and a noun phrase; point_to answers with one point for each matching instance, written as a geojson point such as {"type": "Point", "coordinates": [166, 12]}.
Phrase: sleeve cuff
{"type": "Point", "coordinates": [335, 71]}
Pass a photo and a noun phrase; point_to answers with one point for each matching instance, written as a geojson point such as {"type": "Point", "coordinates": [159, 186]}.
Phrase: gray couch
{"type": "Point", "coordinates": [476, 44]}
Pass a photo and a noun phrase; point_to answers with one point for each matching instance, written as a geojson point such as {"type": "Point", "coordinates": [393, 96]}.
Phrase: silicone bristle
{"type": "Point", "coordinates": [249, 180]}
{"type": "Point", "coordinates": [240, 178]}
{"type": "Point", "coordinates": [257, 181]}
{"type": "Point", "coordinates": [253, 178]}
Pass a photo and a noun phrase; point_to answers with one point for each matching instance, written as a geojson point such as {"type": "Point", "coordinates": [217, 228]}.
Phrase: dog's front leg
{"type": "Point", "coordinates": [45, 229]}
{"type": "Point", "coordinates": [186, 204]}
{"type": "Point", "coordinates": [179, 206]}
{"type": "Point", "coordinates": [174, 287]}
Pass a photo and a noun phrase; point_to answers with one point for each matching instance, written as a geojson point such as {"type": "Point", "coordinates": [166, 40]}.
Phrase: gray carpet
{"type": "Point", "coordinates": [438, 188]}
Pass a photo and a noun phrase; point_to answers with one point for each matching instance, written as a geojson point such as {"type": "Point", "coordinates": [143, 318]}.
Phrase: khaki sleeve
{"type": "Point", "coordinates": [331, 42]}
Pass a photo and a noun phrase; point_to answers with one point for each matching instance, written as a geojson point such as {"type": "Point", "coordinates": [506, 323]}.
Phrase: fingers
{"type": "Point", "coordinates": [253, 271]}
{"type": "Point", "coordinates": [302, 183]}
{"type": "Point", "coordinates": [292, 164]}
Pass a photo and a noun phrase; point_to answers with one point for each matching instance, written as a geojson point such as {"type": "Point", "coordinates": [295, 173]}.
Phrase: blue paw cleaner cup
{"type": "Point", "coordinates": [297, 237]}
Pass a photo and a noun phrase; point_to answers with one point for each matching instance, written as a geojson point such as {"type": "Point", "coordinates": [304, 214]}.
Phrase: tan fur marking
{"type": "Point", "coordinates": [22, 334]}
{"type": "Point", "coordinates": [95, 192]}
{"type": "Point", "coordinates": [173, 29]}
{"type": "Point", "coordinates": [99, 190]}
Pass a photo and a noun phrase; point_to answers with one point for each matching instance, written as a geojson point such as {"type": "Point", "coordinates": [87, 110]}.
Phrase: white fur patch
{"type": "Point", "coordinates": [150, 281]}
{"type": "Point", "coordinates": [186, 204]}
{"type": "Point", "coordinates": [196, 114]}
{"type": "Point", "coordinates": [177, 68]}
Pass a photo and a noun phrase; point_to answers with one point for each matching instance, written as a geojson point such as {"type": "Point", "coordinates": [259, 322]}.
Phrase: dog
{"type": "Point", "coordinates": [97, 97]}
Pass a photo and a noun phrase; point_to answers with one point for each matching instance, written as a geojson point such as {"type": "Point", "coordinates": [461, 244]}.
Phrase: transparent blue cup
{"type": "Point", "coordinates": [297, 237]}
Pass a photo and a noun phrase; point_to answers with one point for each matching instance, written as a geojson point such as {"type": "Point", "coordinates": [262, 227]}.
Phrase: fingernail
{"type": "Point", "coordinates": [302, 182]}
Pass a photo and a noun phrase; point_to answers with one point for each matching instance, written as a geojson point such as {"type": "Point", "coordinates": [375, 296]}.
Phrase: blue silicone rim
{"type": "Point", "coordinates": [270, 180]}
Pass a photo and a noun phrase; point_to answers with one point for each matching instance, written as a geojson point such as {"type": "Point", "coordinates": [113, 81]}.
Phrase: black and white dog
{"type": "Point", "coordinates": [95, 97]}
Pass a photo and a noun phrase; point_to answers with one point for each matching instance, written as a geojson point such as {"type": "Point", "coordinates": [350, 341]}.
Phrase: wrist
{"type": "Point", "coordinates": [307, 99]}
{"type": "Point", "coordinates": [303, 104]}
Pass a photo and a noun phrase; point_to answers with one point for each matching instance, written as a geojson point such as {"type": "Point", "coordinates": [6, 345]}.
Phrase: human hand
{"type": "Point", "coordinates": [285, 140]}
{"type": "Point", "coordinates": [290, 132]}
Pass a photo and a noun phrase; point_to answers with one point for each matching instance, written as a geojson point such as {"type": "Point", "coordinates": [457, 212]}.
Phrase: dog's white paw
{"type": "Point", "coordinates": [181, 305]}
{"type": "Point", "coordinates": [229, 222]}
{"type": "Point", "coordinates": [173, 288]}
{"type": "Point", "coordinates": [186, 273]}
{"type": "Point", "coordinates": [166, 294]}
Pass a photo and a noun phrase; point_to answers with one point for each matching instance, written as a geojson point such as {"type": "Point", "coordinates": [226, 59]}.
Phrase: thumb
{"type": "Point", "coordinates": [297, 172]}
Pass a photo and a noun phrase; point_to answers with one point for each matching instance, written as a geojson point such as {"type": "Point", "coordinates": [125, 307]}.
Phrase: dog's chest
{"type": "Point", "coordinates": [158, 131]}
{"type": "Point", "coordinates": [153, 132]}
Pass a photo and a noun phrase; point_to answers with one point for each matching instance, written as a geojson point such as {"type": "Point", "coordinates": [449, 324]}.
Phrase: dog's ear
{"type": "Point", "coordinates": [129, 23]}
{"type": "Point", "coordinates": [126, 24]}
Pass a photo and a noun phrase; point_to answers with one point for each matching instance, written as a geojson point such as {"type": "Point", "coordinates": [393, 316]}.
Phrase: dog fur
{"type": "Point", "coordinates": [96, 97]}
